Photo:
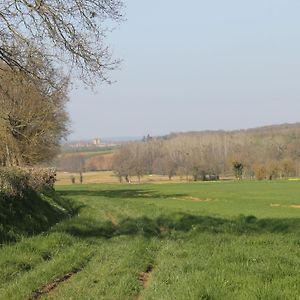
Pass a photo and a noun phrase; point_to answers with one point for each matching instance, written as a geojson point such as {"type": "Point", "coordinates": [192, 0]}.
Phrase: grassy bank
{"type": "Point", "coordinates": [31, 213]}
{"type": "Point", "coordinates": [223, 240]}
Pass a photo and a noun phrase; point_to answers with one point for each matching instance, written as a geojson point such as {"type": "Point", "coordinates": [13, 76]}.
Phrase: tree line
{"type": "Point", "coordinates": [77, 162]}
{"type": "Point", "coordinates": [262, 153]}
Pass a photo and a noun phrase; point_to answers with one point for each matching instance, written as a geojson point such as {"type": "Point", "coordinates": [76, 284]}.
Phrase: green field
{"type": "Point", "coordinates": [214, 240]}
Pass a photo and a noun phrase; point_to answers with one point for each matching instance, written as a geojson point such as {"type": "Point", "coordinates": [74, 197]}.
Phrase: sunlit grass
{"type": "Point", "coordinates": [64, 178]}
{"type": "Point", "coordinates": [195, 240]}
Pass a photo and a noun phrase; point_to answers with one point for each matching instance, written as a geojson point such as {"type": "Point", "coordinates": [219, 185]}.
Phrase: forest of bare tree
{"type": "Point", "coordinates": [263, 153]}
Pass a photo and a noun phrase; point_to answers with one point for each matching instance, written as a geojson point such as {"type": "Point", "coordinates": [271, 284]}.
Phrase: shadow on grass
{"type": "Point", "coordinates": [164, 226]}
{"type": "Point", "coordinates": [120, 194]}
{"type": "Point", "coordinates": [32, 213]}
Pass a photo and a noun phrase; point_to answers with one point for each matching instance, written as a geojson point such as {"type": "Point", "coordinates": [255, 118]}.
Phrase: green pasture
{"type": "Point", "coordinates": [209, 240]}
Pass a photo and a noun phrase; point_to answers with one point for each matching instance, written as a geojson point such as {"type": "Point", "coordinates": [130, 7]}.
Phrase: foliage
{"type": "Point", "coordinates": [238, 169]}
{"type": "Point", "coordinates": [14, 182]}
{"type": "Point", "coordinates": [17, 182]}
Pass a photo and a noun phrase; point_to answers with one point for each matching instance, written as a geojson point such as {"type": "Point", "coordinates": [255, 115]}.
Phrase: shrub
{"type": "Point", "coordinates": [15, 182]}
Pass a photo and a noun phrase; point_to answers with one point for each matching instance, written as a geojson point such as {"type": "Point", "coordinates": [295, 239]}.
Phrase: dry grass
{"type": "Point", "coordinates": [64, 178]}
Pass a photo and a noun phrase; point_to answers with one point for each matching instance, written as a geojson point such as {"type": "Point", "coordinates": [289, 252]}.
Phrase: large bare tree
{"type": "Point", "coordinates": [71, 32]}
{"type": "Point", "coordinates": [33, 119]}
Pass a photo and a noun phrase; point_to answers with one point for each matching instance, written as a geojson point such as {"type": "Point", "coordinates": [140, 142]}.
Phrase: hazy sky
{"type": "Point", "coordinates": [195, 65]}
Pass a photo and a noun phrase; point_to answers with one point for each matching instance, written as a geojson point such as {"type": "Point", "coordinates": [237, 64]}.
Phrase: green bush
{"type": "Point", "coordinates": [14, 181]}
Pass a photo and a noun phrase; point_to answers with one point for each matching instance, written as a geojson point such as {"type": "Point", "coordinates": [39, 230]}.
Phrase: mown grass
{"type": "Point", "coordinates": [233, 240]}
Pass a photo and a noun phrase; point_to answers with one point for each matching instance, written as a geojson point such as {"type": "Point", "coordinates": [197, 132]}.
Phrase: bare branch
{"type": "Point", "coordinates": [62, 32]}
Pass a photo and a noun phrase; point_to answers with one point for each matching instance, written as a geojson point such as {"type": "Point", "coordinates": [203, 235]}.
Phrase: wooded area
{"type": "Point", "coordinates": [262, 153]}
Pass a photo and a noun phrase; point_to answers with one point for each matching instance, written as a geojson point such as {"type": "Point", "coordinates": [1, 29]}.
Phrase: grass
{"type": "Point", "coordinates": [221, 240]}
{"type": "Point", "coordinates": [90, 151]}
{"type": "Point", "coordinates": [64, 178]}
{"type": "Point", "coordinates": [31, 214]}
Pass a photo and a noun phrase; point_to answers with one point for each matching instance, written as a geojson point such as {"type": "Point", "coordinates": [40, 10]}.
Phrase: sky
{"type": "Point", "coordinates": [196, 65]}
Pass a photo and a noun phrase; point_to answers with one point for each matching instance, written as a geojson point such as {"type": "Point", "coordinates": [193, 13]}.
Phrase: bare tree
{"type": "Point", "coordinates": [33, 120]}
{"type": "Point", "coordinates": [72, 163]}
{"type": "Point", "coordinates": [72, 32]}
{"type": "Point", "coordinates": [264, 153]}
{"type": "Point", "coordinates": [122, 163]}
{"type": "Point", "coordinates": [131, 160]}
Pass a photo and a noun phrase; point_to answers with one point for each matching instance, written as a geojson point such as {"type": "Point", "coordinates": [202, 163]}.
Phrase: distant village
{"type": "Point", "coordinates": [95, 143]}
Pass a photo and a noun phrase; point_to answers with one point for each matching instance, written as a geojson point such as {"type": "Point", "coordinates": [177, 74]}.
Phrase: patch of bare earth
{"type": "Point", "coordinates": [46, 289]}
{"type": "Point", "coordinates": [195, 199]}
{"type": "Point", "coordinates": [144, 279]}
{"type": "Point", "coordinates": [164, 230]}
{"type": "Point", "coordinates": [294, 206]}
{"type": "Point", "coordinates": [290, 206]}
{"type": "Point", "coordinates": [113, 220]}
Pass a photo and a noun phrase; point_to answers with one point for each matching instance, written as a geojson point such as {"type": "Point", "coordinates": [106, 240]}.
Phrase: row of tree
{"type": "Point", "coordinates": [75, 162]}
{"type": "Point", "coordinates": [262, 153]}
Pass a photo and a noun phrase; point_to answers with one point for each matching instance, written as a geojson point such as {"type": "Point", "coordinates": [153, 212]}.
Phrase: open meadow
{"type": "Point", "coordinates": [206, 240]}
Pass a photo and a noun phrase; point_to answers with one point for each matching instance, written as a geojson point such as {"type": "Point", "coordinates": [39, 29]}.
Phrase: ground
{"type": "Point", "coordinates": [212, 240]}
{"type": "Point", "coordinates": [64, 178]}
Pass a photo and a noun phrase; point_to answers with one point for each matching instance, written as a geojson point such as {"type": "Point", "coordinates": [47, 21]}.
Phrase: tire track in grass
{"type": "Point", "coordinates": [48, 288]}
{"type": "Point", "coordinates": [26, 286]}
{"type": "Point", "coordinates": [145, 277]}
{"type": "Point", "coordinates": [52, 286]}
{"type": "Point", "coordinates": [114, 272]}
{"type": "Point", "coordinates": [144, 281]}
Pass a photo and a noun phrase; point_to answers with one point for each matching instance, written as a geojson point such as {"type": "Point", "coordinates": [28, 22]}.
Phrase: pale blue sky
{"type": "Point", "coordinates": [196, 65]}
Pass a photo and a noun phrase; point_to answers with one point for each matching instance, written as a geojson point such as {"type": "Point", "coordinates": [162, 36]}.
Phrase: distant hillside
{"type": "Point", "coordinates": [267, 152]}
{"type": "Point", "coordinates": [269, 130]}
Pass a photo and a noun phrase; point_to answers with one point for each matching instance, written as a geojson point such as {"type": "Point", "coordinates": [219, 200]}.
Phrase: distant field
{"type": "Point", "coordinates": [96, 153]}
{"type": "Point", "coordinates": [64, 178]}
{"type": "Point", "coordinates": [212, 240]}
{"type": "Point", "coordinates": [86, 150]}
{"type": "Point", "coordinates": [87, 154]}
